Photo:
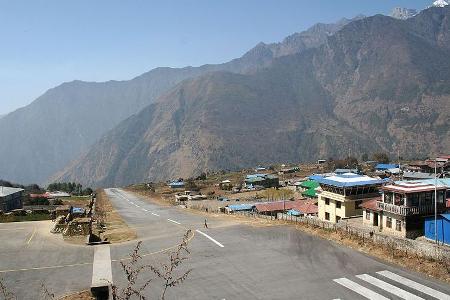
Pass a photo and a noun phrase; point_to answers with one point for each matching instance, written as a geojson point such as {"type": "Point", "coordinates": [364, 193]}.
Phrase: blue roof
{"type": "Point", "coordinates": [77, 210]}
{"type": "Point", "coordinates": [176, 183]}
{"type": "Point", "coordinates": [386, 166]}
{"type": "Point", "coordinates": [238, 207]}
{"type": "Point", "coordinates": [316, 177]}
{"type": "Point", "coordinates": [337, 182]}
{"type": "Point", "coordinates": [293, 212]}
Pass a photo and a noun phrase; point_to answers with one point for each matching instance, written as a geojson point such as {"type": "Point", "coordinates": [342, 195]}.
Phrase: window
{"type": "Point", "coordinates": [338, 204]}
{"type": "Point", "coordinates": [358, 204]}
{"type": "Point", "coordinates": [413, 199]}
{"type": "Point", "coordinates": [427, 198]}
{"type": "Point", "coordinates": [398, 199]}
{"type": "Point", "coordinates": [388, 198]}
{"type": "Point", "coordinates": [441, 195]}
{"type": "Point", "coordinates": [367, 214]}
{"type": "Point", "coordinates": [388, 222]}
{"type": "Point", "coordinates": [327, 216]}
{"type": "Point", "coordinates": [398, 225]}
{"type": "Point", "coordinates": [327, 201]}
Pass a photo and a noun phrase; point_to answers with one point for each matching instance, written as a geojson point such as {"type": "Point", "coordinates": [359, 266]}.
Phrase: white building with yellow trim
{"type": "Point", "coordinates": [341, 196]}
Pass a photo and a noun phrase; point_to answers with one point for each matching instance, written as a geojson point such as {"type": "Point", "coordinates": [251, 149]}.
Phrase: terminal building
{"type": "Point", "coordinates": [404, 206]}
{"type": "Point", "coordinates": [10, 198]}
{"type": "Point", "coordinates": [341, 196]}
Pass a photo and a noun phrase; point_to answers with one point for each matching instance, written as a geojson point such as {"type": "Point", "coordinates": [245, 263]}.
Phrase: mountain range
{"type": "Point", "coordinates": [377, 84]}
{"type": "Point", "coordinates": [63, 123]}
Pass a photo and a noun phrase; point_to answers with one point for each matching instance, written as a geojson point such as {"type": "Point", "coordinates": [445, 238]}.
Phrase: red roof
{"type": "Point", "coordinates": [46, 195]}
{"type": "Point", "coordinates": [371, 204]}
{"type": "Point", "coordinates": [299, 205]}
{"type": "Point", "coordinates": [307, 208]}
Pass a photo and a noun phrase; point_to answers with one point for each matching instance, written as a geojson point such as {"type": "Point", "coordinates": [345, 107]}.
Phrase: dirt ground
{"type": "Point", "coordinates": [77, 201]}
{"type": "Point", "coordinates": [116, 229]}
{"type": "Point", "coordinates": [83, 295]}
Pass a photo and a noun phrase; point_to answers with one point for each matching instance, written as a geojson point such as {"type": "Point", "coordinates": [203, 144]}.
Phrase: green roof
{"type": "Point", "coordinates": [310, 184]}
{"type": "Point", "coordinates": [309, 193]}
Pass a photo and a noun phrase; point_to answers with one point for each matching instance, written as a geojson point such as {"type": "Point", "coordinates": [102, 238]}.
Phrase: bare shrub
{"type": "Point", "coordinates": [167, 272]}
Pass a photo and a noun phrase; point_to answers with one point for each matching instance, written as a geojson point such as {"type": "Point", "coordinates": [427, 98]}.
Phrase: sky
{"type": "Point", "coordinates": [46, 43]}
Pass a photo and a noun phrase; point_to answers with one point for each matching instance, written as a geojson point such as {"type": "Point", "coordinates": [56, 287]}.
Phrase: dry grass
{"type": "Point", "coordinates": [116, 229]}
{"type": "Point", "coordinates": [83, 295]}
{"type": "Point", "coordinates": [77, 201]}
{"type": "Point", "coordinates": [154, 197]}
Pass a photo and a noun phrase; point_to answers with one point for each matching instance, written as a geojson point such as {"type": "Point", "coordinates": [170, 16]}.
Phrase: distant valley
{"type": "Point", "coordinates": [379, 84]}
{"type": "Point", "coordinates": [63, 123]}
{"type": "Point", "coordinates": [360, 86]}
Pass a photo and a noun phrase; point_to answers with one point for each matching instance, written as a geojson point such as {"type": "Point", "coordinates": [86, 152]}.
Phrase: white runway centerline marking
{"type": "Point", "coordinates": [173, 221]}
{"type": "Point", "coordinates": [357, 288]}
{"type": "Point", "coordinates": [144, 209]}
{"type": "Point", "coordinates": [155, 214]}
{"type": "Point", "coordinates": [213, 240]}
{"type": "Point", "coordinates": [388, 287]}
{"type": "Point", "coordinates": [415, 285]}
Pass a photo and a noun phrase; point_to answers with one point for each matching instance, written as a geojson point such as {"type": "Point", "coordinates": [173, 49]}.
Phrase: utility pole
{"type": "Point", "coordinates": [435, 201]}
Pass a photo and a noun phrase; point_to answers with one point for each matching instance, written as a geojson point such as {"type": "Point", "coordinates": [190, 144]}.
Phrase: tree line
{"type": "Point", "coordinates": [69, 187]}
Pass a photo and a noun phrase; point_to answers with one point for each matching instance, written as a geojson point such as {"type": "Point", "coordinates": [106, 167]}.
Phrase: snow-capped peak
{"type": "Point", "coordinates": [440, 3]}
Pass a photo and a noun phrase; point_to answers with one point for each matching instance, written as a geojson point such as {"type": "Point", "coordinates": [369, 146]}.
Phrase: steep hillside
{"type": "Point", "coordinates": [59, 126]}
{"type": "Point", "coordinates": [378, 84]}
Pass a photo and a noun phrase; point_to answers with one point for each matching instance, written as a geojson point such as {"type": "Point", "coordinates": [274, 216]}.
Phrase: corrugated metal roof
{"type": "Point", "coordinates": [299, 205]}
{"type": "Point", "coordinates": [254, 179]}
{"type": "Point", "coordinates": [371, 204]}
{"type": "Point", "coordinates": [309, 184]}
{"type": "Point", "coordinates": [255, 175]}
{"type": "Point", "coordinates": [352, 180]}
{"type": "Point", "coordinates": [293, 212]}
{"type": "Point", "coordinates": [418, 175]}
{"type": "Point", "coordinates": [342, 171]}
{"type": "Point", "coordinates": [440, 181]}
{"type": "Point", "coordinates": [240, 207]}
{"type": "Point", "coordinates": [310, 193]}
{"type": "Point", "coordinates": [386, 166]}
{"type": "Point", "coordinates": [6, 191]}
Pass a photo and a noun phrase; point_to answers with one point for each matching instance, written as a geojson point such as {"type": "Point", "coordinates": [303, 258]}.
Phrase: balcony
{"type": "Point", "coordinates": [409, 211]}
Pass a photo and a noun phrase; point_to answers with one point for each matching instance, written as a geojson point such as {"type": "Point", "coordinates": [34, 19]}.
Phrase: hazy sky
{"type": "Point", "coordinates": [45, 43]}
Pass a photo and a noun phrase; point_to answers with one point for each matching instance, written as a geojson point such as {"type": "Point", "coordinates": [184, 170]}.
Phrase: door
{"type": "Point", "coordinates": [375, 219]}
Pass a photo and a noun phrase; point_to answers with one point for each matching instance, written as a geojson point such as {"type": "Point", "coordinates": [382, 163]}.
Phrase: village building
{"type": "Point", "coordinates": [10, 198]}
{"type": "Point", "coordinates": [308, 188]}
{"type": "Point", "coordinates": [341, 196]}
{"type": "Point", "coordinates": [442, 228]}
{"type": "Point", "coordinates": [264, 180]}
{"type": "Point", "coordinates": [385, 167]}
{"type": "Point", "coordinates": [225, 185]}
{"type": "Point", "coordinates": [343, 171]}
{"type": "Point", "coordinates": [403, 206]}
{"type": "Point", "coordinates": [289, 170]}
{"type": "Point", "coordinates": [273, 208]}
{"type": "Point", "coordinates": [176, 184]}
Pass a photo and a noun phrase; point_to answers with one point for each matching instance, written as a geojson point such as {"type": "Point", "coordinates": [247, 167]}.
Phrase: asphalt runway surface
{"type": "Point", "coordinates": [229, 260]}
